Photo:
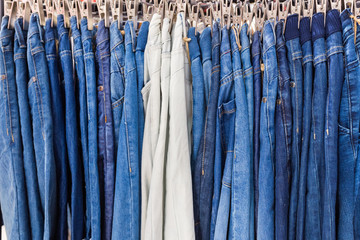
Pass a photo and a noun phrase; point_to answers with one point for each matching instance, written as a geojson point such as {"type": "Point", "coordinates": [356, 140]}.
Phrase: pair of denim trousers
{"type": "Point", "coordinates": [126, 218]}
{"type": "Point", "coordinates": [265, 225]}
{"type": "Point", "coordinates": [241, 224]}
{"type": "Point", "coordinates": [348, 133]}
{"type": "Point", "coordinates": [225, 137]}
{"type": "Point", "coordinates": [316, 150]}
{"type": "Point", "coordinates": [283, 134]}
{"type": "Point", "coordinates": [42, 123]}
{"type": "Point", "coordinates": [14, 202]}
{"type": "Point", "coordinates": [178, 184]}
{"type": "Point", "coordinates": [32, 187]}
{"type": "Point", "coordinates": [203, 172]}
{"type": "Point", "coordinates": [91, 103]}
{"type": "Point", "coordinates": [307, 61]}
{"type": "Point", "coordinates": [205, 46]}
{"type": "Point", "coordinates": [152, 106]}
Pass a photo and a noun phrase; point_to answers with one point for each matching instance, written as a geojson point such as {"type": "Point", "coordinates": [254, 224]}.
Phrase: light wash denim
{"type": "Point", "coordinates": [266, 226]}
{"type": "Point", "coordinates": [92, 163]}
{"type": "Point", "coordinates": [14, 202]}
{"type": "Point", "coordinates": [36, 216]}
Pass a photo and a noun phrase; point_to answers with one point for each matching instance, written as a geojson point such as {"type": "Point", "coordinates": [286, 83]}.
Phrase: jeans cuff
{"type": "Point", "coordinates": [305, 34]}
{"type": "Point", "coordinates": [318, 28]}
{"type": "Point", "coordinates": [292, 30]}
{"type": "Point", "coordinates": [333, 23]}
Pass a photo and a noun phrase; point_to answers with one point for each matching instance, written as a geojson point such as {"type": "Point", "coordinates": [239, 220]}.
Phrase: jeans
{"type": "Point", "coordinates": [256, 55]}
{"type": "Point", "coordinates": [205, 46]}
{"type": "Point", "coordinates": [126, 220]}
{"type": "Point", "coordinates": [77, 208]}
{"type": "Point", "coordinates": [225, 136]}
{"type": "Point", "coordinates": [92, 163]}
{"type": "Point", "coordinates": [265, 227]}
{"type": "Point", "coordinates": [305, 40]}
{"type": "Point", "coordinates": [106, 162]}
{"type": "Point", "coordinates": [241, 223]}
{"type": "Point", "coordinates": [283, 131]}
{"type": "Point", "coordinates": [178, 196]}
{"type": "Point", "coordinates": [348, 132]}
{"type": "Point", "coordinates": [14, 202]}
{"type": "Point", "coordinates": [203, 174]}
{"type": "Point", "coordinates": [335, 63]}
{"type": "Point", "coordinates": [316, 149]}
{"type": "Point", "coordinates": [42, 123]}
{"type": "Point", "coordinates": [32, 187]}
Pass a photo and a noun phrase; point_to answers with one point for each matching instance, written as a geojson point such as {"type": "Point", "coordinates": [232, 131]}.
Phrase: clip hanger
{"type": "Point", "coordinates": [237, 17]}
{"type": "Point", "coordinates": [11, 10]}
{"type": "Point", "coordinates": [216, 11]}
{"type": "Point", "coordinates": [283, 11]}
{"type": "Point", "coordinates": [51, 12]}
{"type": "Point", "coordinates": [226, 7]}
{"type": "Point", "coordinates": [259, 16]}
{"type": "Point", "coordinates": [24, 12]}
{"type": "Point", "coordinates": [335, 4]}
{"type": "Point", "coordinates": [207, 15]}
{"type": "Point", "coordinates": [357, 8]}
{"type": "Point", "coordinates": [117, 7]}
{"type": "Point", "coordinates": [132, 11]}
{"type": "Point", "coordinates": [104, 9]}
{"type": "Point", "coordinates": [308, 8]}
{"type": "Point", "coordinates": [247, 14]}
{"type": "Point", "coordinates": [74, 11]}
{"type": "Point", "coordinates": [37, 7]}
{"type": "Point", "coordinates": [169, 11]}
{"type": "Point", "coordinates": [63, 9]}
{"type": "Point", "coordinates": [193, 11]}
{"type": "Point", "coordinates": [271, 9]}
{"type": "Point", "coordinates": [349, 4]}
{"type": "Point", "coordinates": [86, 12]}
{"type": "Point", "coordinates": [295, 8]}
{"type": "Point", "coordinates": [148, 10]}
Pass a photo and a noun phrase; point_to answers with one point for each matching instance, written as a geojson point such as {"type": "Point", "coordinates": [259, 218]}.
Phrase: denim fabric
{"type": "Point", "coordinates": [256, 55]}
{"type": "Point", "coordinates": [203, 174]}
{"type": "Point", "coordinates": [316, 150]}
{"type": "Point", "coordinates": [241, 223]}
{"type": "Point", "coordinates": [294, 54]}
{"type": "Point", "coordinates": [77, 206]}
{"type": "Point", "coordinates": [178, 195]}
{"type": "Point", "coordinates": [31, 179]}
{"type": "Point", "coordinates": [348, 132]}
{"type": "Point", "coordinates": [335, 63]}
{"type": "Point", "coordinates": [60, 151]}
{"type": "Point", "coordinates": [265, 227]}
{"type": "Point", "coordinates": [106, 162]}
{"type": "Point", "coordinates": [42, 123]}
{"type": "Point", "coordinates": [224, 137]}
{"type": "Point", "coordinates": [126, 220]}
{"type": "Point", "coordinates": [205, 46]}
{"type": "Point", "coordinates": [305, 39]}
{"type": "Point", "coordinates": [91, 98]}
{"type": "Point", "coordinates": [283, 131]}
{"type": "Point", "coordinates": [14, 202]}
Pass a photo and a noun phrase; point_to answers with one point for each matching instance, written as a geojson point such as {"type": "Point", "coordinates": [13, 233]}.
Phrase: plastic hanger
{"type": "Point", "coordinates": [74, 11]}
{"type": "Point", "coordinates": [283, 12]}
{"type": "Point", "coordinates": [148, 10]}
{"type": "Point", "coordinates": [295, 8]}
{"type": "Point", "coordinates": [357, 8]}
{"type": "Point", "coordinates": [308, 9]}
{"type": "Point", "coordinates": [193, 11]}
{"type": "Point", "coordinates": [349, 4]}
{"type": "Point", "coordinates": [226, 7]}
{"type": "Point", "coordinates": [248, 14]}
{"type": "Point", "coordinates": [207, 15]}
{"type": "Point", "coordinates": [24, 12]}
{"type": "Point", "coordinates": [169, 12]}
{"type": "Point", "coordinates": [86, 12]}
{"type": "Point", "coordinates": [10, 10]}
{"type": "Point", "coordinates": [37, 7]}
{"type": "Point", "coordinates": [321, 7]}
{"type": "Point", "coordinates": [259, 16]}
{"type": "Point", "coordinates": [104, 11]}
{"type": "Point", "coordinates": [51, 12]}
{"type": "Point", "coordinates": [335, 4]}
{"type": "Point", "coordinates": [132, 11]}
{"type": "Point", "coordinates": [237, 17]}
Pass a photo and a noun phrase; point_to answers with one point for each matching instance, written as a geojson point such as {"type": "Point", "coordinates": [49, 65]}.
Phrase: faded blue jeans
{"type": "Point", "coordinates": [205, 46]}
{"type": "Point", "coordinates": [266, 226]}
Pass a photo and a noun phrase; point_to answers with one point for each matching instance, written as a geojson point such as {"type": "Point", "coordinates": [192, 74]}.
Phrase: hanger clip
{"type": "Point", "coordinates": [132, 11]}
{"type": "Point", "coordinates": [216, 11]}
{"type": "Point", "coordinates": [86, 12]}
{"type": "Point", "coordinates": [283, 11]}
{"type": "Point", "coordinates": [37, 7]}
{"type": "Point", "coordinates": [335, 4]}
{"type": "Point", "coordinates": [237, 14]}
{"type": "Point", "coordinates": [148, 10]}
{"type": "Point", "coordinates": [295, 8]}
{"type": "Point", "coordinates": [194, 11]}
{"type": "Point", "coordinates": [181, 6]}
{"type": "Point", "coordinates": [271, 10]}
{"type": "Point", "coordinates": [349, 4]}
{"type": "Point", "coordinates": [226, 7]}
{"type": "Point", "coordinates": [307, 8]}
{"type": "Point", "coordinates": [248, 14]}
{"type": "Point", "coordinates": [74, 10]}
{"type": "Point", "coordinates": [24, 12]}
{"type": "Point", "coordinates": [206, 14]}
{"type": "Point", "coordinates": [259, 16]}
{"type": "Point", "coordinates": [357, 8]}
{"type": "Point", "coordinates": [11, 11]}
{"type": "Point", "coordinates": [104, 10]}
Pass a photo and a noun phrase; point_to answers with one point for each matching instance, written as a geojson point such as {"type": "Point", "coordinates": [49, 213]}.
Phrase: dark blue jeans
{"type": "Point", "coordinates": [31, 179]}
{"type": "Point", "coordinates": [283, 132]}
{"type": "Point", "coordinates": [14, 202]}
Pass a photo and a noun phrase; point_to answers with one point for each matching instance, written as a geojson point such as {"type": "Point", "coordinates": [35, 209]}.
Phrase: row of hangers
{"type": "Point", "coordinates": [227, 12]}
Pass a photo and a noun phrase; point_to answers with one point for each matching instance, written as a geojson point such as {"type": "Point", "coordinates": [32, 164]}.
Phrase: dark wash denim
{"type": "Point", "coordinates": [316, 151]}
{"type": "Point", "coordinates": [60, 152]}
{"type": "Point", "coordinates": [241, 221]}
{"type": "Point", "coordinates": [42, 123]}
{"type": "Point", "coordinates": [14, 202]}
{"type": "Point", "coordinates": [348, 132]}
{"type": "Point", "coordinates": [32, 187]}
{"type": "Point", "coordinates": [92, 163]}
{"type": "Point", "coordinates": [76, 171]}
{"type": "Point", "coordinates": [106, 161]}
{"type": "Point", "coordinates": [126, 220]}
{"type": "Point", "coordinates": [335, 63]}
{"type": "Point", "coordinates": [199, 106]}
{"type": "Point", "coordinates": [294, 54]}
{"type": "Point", "coordinates": [256, 57]}
{"type": "Point", "coordinates": [266, 225]}
{"type": "Point", "coordinates": [305, 40]}
{"type": "Point", "coordinates": [283, 132]}
{"type": "Point", "coordinates": [203, 175]}
{"type": "Point", "coordinates": [205, 46]}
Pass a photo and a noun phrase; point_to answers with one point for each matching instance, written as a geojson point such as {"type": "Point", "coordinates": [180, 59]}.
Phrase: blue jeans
{"type": "Point", "coordinates": [126, 220]}
{"type": "Point", "coordinates": [335, 63]}
{"type": "Point", "coordinates": [265, 227]}
{"type": "Point", "coordinates": [241, 224]}
{"type": "Point", "coordinates": [42, 123]}
{"type": "Point", "coordinates": [92, 163]}
{"type": "Point", "coordinates": [348, 133]}
{"type": "Point", "coordinates": [305, 40]}
{"type": "Point", "coordinates": [60, 152]}
{"type": "Point", "coordinates": [316, 150]}
{"type": "Point", "coordinates": [205, 46]}
{"type": "Point", "coordinates": [283, 131]}
{"type": "Point", "coordinates": [294, 57]}
{"type": "Point", "coordinates": [224, 151]}
{"type": "Point", "coordinates": [14, 202]}
{"type": "Point", "coordinates": [31, 179]}
{"type": "Point", "coordinates": [256, 55]}
{"type": "Point", "coordinates": [77, 207]}
{"type": "Point", "coordinates": [106, 161]}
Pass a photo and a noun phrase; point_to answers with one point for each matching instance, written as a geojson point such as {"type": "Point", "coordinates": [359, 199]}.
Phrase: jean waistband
{"type": "Point", "coordinates": [50, 32]}
{"type": "Point", "coordinates": [19, 33]}
{"type": "Point", "coordinates": [61, 26]}
{"type": "Point", "coordinates": [142, 36]}
{"type": "Point", "coordinates": [194, 48]}
{"type": "Point", "coordinates": [268, 35]}
{"type": "Point", "coordinates": [305, 34]}
{"type": "Point", "coordinates": [292, 30]}
{"type": "Point", "coordinates": [35, 27]}
{"type": "Point", "coordinates": [318, 28]}
{"type": "Point", "coordinates": [130, 35]}
{"type": "Point", "coordinates": [244, 39]}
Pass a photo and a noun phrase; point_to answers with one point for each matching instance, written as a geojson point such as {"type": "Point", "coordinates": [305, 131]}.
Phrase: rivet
{"type": "Point", "coordinates": [264, 99]}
